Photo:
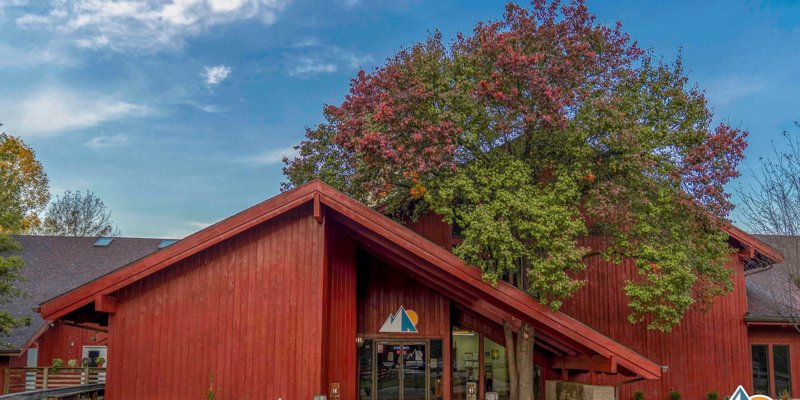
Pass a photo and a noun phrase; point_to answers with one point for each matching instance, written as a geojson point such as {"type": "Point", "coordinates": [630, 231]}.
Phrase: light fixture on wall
{"type": "Point", "coordinates": [359, 341]}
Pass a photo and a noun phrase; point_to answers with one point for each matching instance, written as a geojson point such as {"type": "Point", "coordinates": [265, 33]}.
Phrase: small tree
{"type": "Point", "coordinates": [78, 214]}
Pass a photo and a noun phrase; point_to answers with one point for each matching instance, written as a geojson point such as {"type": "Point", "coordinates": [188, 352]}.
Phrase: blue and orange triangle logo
{"type": "Point", "coordinates": [402, 321]}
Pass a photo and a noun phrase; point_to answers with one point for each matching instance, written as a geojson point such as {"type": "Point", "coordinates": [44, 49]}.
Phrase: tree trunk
{"type": "Point", "coordinates": [511, 358]}
{"type": "Point", "coordinates": [524, 360]}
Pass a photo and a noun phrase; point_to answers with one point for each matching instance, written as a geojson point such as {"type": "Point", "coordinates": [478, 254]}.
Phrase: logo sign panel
{"type": "Point", "coordinates": [402, 321]}
{"type": "Point", "coordinates": [741, 394]}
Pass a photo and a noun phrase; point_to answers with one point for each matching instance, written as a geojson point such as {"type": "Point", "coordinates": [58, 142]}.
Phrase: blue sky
{"type": "Point", "coordinates": [176, 113]}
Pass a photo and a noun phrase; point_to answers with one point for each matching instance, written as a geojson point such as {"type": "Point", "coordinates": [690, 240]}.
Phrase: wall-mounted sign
{"type": "Point", "coordinates": [401, 321]}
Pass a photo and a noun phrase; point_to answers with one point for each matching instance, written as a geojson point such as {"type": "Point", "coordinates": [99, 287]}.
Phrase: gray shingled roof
{"type": "Point", "coordinates": [771, 294]}
{"type": "Point", "coordinates": [58, 264]}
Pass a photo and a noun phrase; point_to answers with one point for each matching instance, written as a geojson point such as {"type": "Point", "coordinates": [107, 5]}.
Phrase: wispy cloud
{"type": "Point", "coordinates": [104, 142]}
{"type": "Point", "coordinates": [216, 74]}
{"type": "Point", "coordinates": [273, 156]}
{"type": "Point", "coordinates": [731, 88]}
{"type": "Point", "coordinates": [209, 108]}
{"type": "Point", "coordinates": [311, 57]}
{"type": "Point", "coordinates": [149, 25]}
{"type": "Point", "coordinates": [53, 110]}
{"type": "Point", "coordinates": [27, 57]}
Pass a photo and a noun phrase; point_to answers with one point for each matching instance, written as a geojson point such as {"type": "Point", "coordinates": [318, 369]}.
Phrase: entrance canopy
{"type": "Point", "coordinates": [572, 344]}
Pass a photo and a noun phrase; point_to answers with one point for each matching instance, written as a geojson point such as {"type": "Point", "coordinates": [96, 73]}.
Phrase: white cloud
{"type": "Point", "coordinates": [53, 110]}
{"type": "Point", "coordinates": [216, 74]}
{"type": "Point", "coordinates": [310, 65]}
{"type": "Point", "coordinates": [14, 57]}
{"type": "Point", "coordinates": [149, 25]}
{"type": "Point", "coordinates": [104, 142]}
{"type": "Point", "coordinates": [731, 88]}
{"type": "Point", "coordinates": [274, 156]}
{"type": "Point", "coordinates": [311, 57]}
{"type": "Point", "coordinates": [209, 108]}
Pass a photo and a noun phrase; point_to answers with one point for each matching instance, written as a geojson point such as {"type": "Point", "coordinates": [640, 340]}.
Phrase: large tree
{"type": "Point", "coordinates": [531, 133]}
{"type": "Point", "coordinates": [78, 214]}
{"type": "Point", "coordinates": [23, 194]}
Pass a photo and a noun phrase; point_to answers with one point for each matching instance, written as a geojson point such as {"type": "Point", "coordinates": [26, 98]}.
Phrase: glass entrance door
{"type": "Point", "coordinates": [414, 371]}
{"type": "Point", "coordinates": [400, 371]}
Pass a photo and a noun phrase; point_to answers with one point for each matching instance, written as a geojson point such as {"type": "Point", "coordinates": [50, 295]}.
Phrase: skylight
{"type": "Point", "coordinates": [166, 242]}
{"type": "Point", "coordinates": [103, 242]}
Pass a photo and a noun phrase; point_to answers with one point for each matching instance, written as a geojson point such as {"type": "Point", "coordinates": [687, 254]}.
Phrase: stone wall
{"type": "Point", "coordinates": [560, 390]}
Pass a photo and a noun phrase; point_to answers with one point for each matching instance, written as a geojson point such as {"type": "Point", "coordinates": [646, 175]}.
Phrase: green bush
{"type": "Point", "coordinates": [674, 395]}
{"type": "Point", "coordinates": [638, 395]}
{"type": "Point", "coordinates": [712, 396]}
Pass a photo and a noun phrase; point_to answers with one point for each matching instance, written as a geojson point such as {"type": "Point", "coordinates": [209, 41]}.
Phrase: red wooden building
{"type": "Point", "coordinates": [53, 265]}
{"type": "Point", "coordinates": [312, 293]}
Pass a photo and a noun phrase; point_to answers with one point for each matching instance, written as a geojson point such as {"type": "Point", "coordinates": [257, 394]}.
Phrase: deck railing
{"type": "Point", "coordinates": [26, 379]}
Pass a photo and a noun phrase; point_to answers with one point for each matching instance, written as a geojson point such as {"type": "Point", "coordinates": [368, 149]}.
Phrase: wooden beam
{"type": "Point", "coordinates": [87, 327]}
{"type": "Point", "coordinates": [105, 303]}
{"type": "Point", "coordinates": [583, 363]}
{"type": "Point", "coordinates": [317, 208]}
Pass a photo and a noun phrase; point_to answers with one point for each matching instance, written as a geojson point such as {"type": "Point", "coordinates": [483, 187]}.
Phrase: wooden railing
{"type": "Point", "coordinates": [26, 379]}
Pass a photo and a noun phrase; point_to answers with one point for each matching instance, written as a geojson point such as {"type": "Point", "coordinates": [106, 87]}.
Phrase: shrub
{"type": "Point", "coordinates": [638, 395]}
{"type": "Point", "coordinates": [712, 396]}
{"type": "Point", "coordinates": [674, 395]}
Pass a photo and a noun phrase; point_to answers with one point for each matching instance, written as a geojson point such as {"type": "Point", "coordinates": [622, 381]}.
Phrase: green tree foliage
{"type": "Point", "coordinates": [533, 132]}
{"type": "Point", "coordinates": [23, 194]}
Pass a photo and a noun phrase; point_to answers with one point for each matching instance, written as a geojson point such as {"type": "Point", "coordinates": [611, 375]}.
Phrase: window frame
{"type": "Point", "coordinates": [771, 367]}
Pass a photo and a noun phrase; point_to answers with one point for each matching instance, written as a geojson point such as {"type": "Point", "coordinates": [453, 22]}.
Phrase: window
{"type": "Point", "coordinates": [103, 242]}
{"type": "Point", "coordinates": [771, 369]}
{"type": "Point", "coordinates": [782, 376]}
{"type": "Point", "coordinates": [166, 242]}
{"type": "Point", "coordinates": [761, 369]}
{"type": "Point", "coordinates": [92, 353]}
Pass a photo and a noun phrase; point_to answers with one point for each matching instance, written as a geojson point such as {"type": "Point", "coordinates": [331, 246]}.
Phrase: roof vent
{"type": "Point", "coordinates": [103, 242]}
{"type": "Point", "coordinates": [166, 242]}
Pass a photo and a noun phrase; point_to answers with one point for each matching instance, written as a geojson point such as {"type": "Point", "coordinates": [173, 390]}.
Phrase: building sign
{"type": "Point", "coordinates": [402, 321]}
{"type": "Point", "coordinates": [741, 394]}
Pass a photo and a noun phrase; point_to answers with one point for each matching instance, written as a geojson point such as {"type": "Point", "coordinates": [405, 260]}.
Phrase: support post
{"type": "Point", "coordinates": [6, 379]}
{"type": "Point", "coordinates": [45, 376]}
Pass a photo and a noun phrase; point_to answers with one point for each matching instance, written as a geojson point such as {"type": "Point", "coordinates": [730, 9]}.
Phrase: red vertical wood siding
{"type": "Point", "coordinates": [706, 352]}
{"type": "Point", "coordinates": [431, 227]}
{"type": "Point", "coordinates": [66, 342]}
{"type": "Point", "coordinates": [694, 351]}
{"type": "Point", "coordinates": [341, 348]}
{"type": "Point", "coordinates": [383, 289]}
{"type": "Point", "coordinates": [247, 310]}
{"type": "Point", "coordinates": [783, 335]}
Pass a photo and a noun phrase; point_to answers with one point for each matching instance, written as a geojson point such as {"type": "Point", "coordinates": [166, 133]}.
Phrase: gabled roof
{"type": "Point", "coordinates": [57, 264]}
{"type": "Point", "coordinates": [430, 261]}
{"type": "Point", "coordinates": [772, 294]}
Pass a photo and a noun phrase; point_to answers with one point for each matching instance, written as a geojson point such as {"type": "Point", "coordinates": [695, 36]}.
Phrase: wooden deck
{"type": "Point", "coordinates": [27, 379]}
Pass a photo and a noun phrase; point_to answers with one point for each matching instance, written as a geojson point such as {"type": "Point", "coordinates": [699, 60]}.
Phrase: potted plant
{"type": "Point", "coordinates": [638, 395]}
{"type": "Point", "coordinates": [57, 363]}
{"type": "Point", "coordinates": [85, 362]}
{"type": "Point", "coordinates": [72, 363]}
{"type": "Point", "coordinates": [99, 361]}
